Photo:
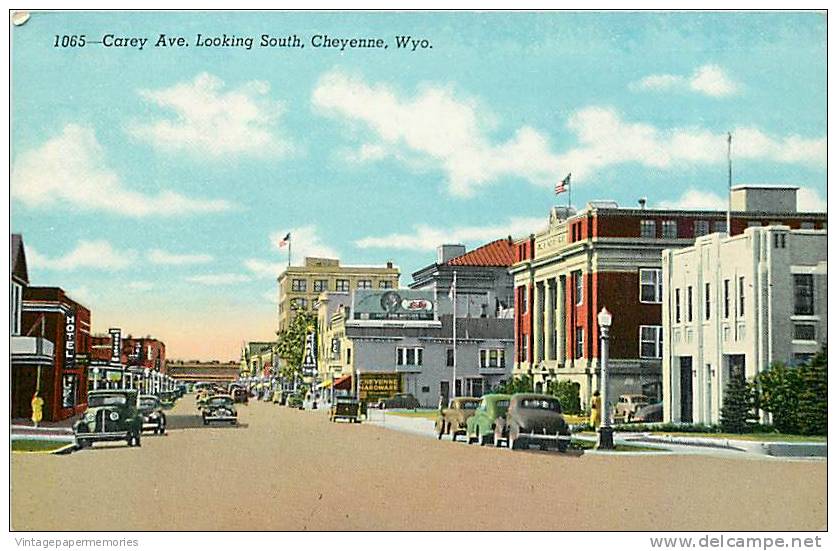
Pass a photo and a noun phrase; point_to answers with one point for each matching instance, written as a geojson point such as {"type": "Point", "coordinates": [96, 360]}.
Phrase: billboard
{"type": "Point", "coordinates": [393, 305]}
{"type": "Point", "coordinates": [374, 386]}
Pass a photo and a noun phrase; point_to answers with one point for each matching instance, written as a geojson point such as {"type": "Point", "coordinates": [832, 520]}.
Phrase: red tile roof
{"type": "Point", "coordinates": [496, 253]}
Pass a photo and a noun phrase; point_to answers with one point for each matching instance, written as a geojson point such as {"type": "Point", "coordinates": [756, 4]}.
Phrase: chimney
{"type": "Point", "coordinates": [389, 264]}
{"type": "Point", "coordinates": [447, 252]}
{"type": "Point", "coordinates": [642, 201]}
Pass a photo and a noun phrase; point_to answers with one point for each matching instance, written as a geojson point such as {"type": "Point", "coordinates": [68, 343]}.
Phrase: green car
{"type": "Point", "coordinates": [480, 426]}
{"type": "Point", "coordinates": [168, 399]}
{"type": "Point", "coordinates": [111, 415]}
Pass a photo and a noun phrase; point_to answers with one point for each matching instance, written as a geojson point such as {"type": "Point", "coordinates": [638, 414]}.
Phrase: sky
{"type": "Point", "coordinates": [154, 184]}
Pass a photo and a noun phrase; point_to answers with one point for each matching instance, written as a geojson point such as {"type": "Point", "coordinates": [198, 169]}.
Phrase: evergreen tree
{"type": "Point", "coordinates": [813, 401]}
{"type": "Point", "coordinates": [780, 389]}
{"type": "Point", "coordinates": [568, 393]}
{"type": "Point", "coordinates": [520, 383]}
{"type": "Point", "coordinates": [738, 409]}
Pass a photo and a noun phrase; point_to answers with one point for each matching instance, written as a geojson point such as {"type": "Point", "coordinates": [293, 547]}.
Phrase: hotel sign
{"type": "Point", "coordinates": [70, 340]}
{"type": "Point", "coordinates": [309, 360]}
{"type": "Point", "coordinates": [115, 345]}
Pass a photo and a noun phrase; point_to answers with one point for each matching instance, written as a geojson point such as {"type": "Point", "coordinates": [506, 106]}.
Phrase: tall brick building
{"type": "Point", "coordinates": [611, 256]}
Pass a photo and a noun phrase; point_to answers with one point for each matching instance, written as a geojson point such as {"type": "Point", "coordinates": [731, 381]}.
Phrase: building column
{"type": "Point", "coordinates": [549, 321]}
{"type": "Point", "coordinates": [560, 323]}
{"type": "Point", "coordinates": [537, 324]}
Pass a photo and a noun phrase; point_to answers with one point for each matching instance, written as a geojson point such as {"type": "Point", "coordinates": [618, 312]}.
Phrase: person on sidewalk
{"type": "Point", "coordinates": [596, 411]}
{"type": "Point", "coordinates": [37, 409]}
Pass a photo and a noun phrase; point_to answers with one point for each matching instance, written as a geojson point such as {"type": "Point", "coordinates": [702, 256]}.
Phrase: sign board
{"type": "Point", "coordinates": [393, 304]}
{"type": "Point", "coordinates": [374, 386]}
{"type": "Point", "coordinates": [309, 360]}
{"type": "Point", "coordinates": [114, 376]}
{"type": "Point", "coordinates": [70, 340]}
{"type": "Point", "coordinates": [115, 345]}
{"type": "Point", "coordinates": [68, 390]}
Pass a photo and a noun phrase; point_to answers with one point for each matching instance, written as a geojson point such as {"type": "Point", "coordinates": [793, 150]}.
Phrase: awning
{"type": "Point", "coordinates": [343, 383]}
{"type": "Point", "coordinates": [324, 384]}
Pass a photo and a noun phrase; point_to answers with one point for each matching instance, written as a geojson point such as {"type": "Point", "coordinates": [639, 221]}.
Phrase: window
{"type": "Point", "coordinates": [741, 296]}
{"type": "Point", "coordinates": [299, 304]}
{"type": "Point", "coordinates": [805, 332]}
{"type": "Point", "coordinates": [806, 226]}
{"type": "Point", "coordinates": [669, 229]}
{"type": "Point", "coordinates": [450, 357]}
{"type": "Point", "coordinates": [707, 302]}
{"type": "Point", "coordinates": [299, 285]}
{"type": "Point", "coordinates": [342, 285]}
{"type": "Point", "coordinates": [17, 299]}
{"type": "Point", "coordinates": [647, 228]}
{"type": "Point", "coordinates": [754, 224]}
{"type": "Point", "coordinates": [650, 285]}
{"type": "Point", "coordinates": [689, 304]}
{"type": "Point", "coordinates": [719, 226]}
{"type": "Point", "coordinates": [803, 294]}
{"type": "Point", "coordinates": [524, 300]}
{"type": "Point", "coordinates": [701, 227]}
{"type": "Point", "coordinates": [677, 306]}
{"type": "Point", "coordinates": [650, 341]}
{"type": "Point", "coordinates": [320, 285]}
{"type": "Point", "coordinates": [579, 342]}
{"type": "Point", "coordinates": [385, 284]}
{"type": "Point", "coordinates": [348, 356]}
{"type": "Point", "coordinates": [524, 348]}
{"type": "Point", "coordinates": [364, 284]}
{"type": "Point", "coordinates": [579, 289]}
{"type": "Point", "coordinates": [494, 357]}
{"type": "Point", "coordinates": [408, 356]}
{"type": "Point", "coordinates": [726, 298]}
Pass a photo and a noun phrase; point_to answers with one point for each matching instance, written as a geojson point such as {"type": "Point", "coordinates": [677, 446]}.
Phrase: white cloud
{"type": "Point", "coordinates": [305, 241]}
{"type": "Point", "coordinates": [71, 168]}
{"type": "Point", "coordinates": [140, 286]}
{"type": "Point", "coordinates": [219, 279]}
{"type": "Point", "coordinates": [606, 139]}
{"type": "Point", "coordinates": [271, 297]}
{"type": "Point", "coordinates": [694, 199]}
{"type": "Point", "coordinates": [81, 294]}
{"type": "Point", "coordinates": [98, 254]}
{"type": "Point", "coordinates": [212, 120]}
{"type": "Point", "coordinates": [265, 269]}
{"type": "Point", "coordinates": [710, 80]}
{"type": "Point", "coordinates": [159, 256]}
{"type": "Point", "coordinates": [436, 128]}
{"type": "Point", "coordinates": [427, 238]}
{"type": "Point", "coordinates": [809, 200]}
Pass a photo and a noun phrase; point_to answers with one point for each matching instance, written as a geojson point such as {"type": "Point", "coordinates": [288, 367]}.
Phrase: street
{"type": "Point", "coordinates": [284, 469]}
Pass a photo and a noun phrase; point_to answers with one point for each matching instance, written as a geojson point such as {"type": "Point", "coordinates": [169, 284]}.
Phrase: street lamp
{"type": "Point", "coordinates": [605, 430]}
{"type": "Point", "coordinates": [95, 378]}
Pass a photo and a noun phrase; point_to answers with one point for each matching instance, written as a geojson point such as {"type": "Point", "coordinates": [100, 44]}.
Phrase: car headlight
{"type": "Point", "coordinates": [114, 415]}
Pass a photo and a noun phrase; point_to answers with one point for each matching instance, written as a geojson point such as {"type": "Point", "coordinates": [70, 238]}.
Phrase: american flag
{"type": "Point", "coordinates": [285, 240]}
{"type": "Point", "coordinates": [563, 185]}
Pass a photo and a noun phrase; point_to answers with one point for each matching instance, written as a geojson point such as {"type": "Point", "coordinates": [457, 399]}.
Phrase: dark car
{"type": "Point", "coordinates": [153, 418]}
{"type": "Point", "coordinates": [533, 419]}
{"type": "Point", "coordinates": [454, 418]}
{"type": "Point", "coordinates": [240, 395]}
{"type": "Point", "coordinates": [345, 407]}
{"type": "Point", "coordinates": [399, 401]}
{"type": "Point", "coordinates": [167, 399]}
{"type": "Point", "coordinates": [220, 408]}
{"type": "Point", "coordinates": [111, 415]}
{"type": "Point", "coordinates": [649, 414]}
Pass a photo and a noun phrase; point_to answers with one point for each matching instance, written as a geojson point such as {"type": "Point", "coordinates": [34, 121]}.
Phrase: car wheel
{"type": "Point", "coordinates": [234, 422]}
{"type": "Point", "coordinates": [498, 438]}
{"type": "Point", "coordinates": [562, 446]}
{"type": "Point", "coordinates": [482, 439]}
{"type": "Point", "coordinates": [82, 443]}
{"type": "Point", "coordinates": [440, 430]}
{"type": "Point", "coordinates": [205, 421]}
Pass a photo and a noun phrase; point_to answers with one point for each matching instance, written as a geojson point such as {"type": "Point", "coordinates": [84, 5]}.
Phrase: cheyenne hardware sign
{"type": "Point", "coordinates": [379, 385]}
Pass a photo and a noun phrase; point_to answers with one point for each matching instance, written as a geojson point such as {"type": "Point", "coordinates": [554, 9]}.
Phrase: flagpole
{"type": "Point", "coordinates": [289, 252]}
{"type": "Point", "coordinates": [454, 335]}
{"type": "Point", "coordinates": [729, 183]}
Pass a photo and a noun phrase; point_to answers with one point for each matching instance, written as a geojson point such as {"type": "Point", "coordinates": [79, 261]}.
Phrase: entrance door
{"type": "Point", "coordinates": [686, 389]}
{"type": "Point", "coordinates": [444, 392]}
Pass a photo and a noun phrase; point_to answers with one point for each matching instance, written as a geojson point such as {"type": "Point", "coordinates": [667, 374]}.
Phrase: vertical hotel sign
{"type": "Point", "coordinates": [309, 360]}
{"type": "Point", "coordinates": [70, 340]}
{"type": "Point", "coordinates": [115, 345]}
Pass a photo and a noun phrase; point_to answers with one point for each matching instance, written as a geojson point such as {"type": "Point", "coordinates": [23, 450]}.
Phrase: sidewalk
{"type": "Point", "coordinates": [48, 430]}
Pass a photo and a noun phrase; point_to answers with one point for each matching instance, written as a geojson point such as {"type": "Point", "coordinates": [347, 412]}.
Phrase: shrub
{"type": "Point", "coordinates": [779, 391]}
{"type": "Point", "coordinates": [522, 383]}
{"type": "Point", "coordinates": [813, 401]}
{"type": "Point", "coordinates": [568, 393]}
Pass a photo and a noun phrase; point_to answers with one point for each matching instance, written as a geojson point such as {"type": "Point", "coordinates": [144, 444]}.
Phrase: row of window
{"type": "Point", "coordinates": [320, 285]}
{"type": "Point", "coordinates": [650, 342]}
{"type": "Point", "coordinates": [488, 357]}
{"type": "Point", "coordinates": [648, 228]}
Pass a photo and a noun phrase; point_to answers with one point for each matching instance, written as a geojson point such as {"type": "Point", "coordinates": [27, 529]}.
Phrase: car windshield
{"type": "Point", "coordinates": [541, 403]}
{"type": "Point", "coordinates": [501, 405]}
{"type": "Point", "coordinates": [470, 405]}
{"type": "Point", "coordinates": [148, 403]}
{"type": "Point", "coordinates": [220, 402]}
{"type": "Point", "coordinates": [95, 401]}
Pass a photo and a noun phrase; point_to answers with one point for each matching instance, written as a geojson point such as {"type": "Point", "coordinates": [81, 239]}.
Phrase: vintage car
{"type": "Point", "coordinates": [168, 398]}
{"type": "Point", "coordinates": [652, 413]}
{"type": "Point", "coordinates": [153, 418]}
{"type": "Point", "coordinates": [220, 408]}
{"type": "Point", "coordinates": [202, 386]}
{"type": "Point", "coordinates": [345, 407]}
{"type": "Point", "coordinates": [452, 419]}
{"type": "Point", "coordinates": [240, 395]}
{"type": "Point", "coordinates": [294, 400]}
{"type": "Point", "coordinates": [201, 398]}
{"type": "Point", "coordinates": [481, 425]}
{"type": "Point", "coordinates": [628, 405]}
{"type": "Point", "coordinates": [533, 419]}
{"type": "Point", "coordinates": [111, 415]}
{"type": "Point", "coordinates": [399, 401]}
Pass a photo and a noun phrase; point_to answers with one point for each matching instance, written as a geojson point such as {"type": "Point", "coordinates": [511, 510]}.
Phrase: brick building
{"type": "Point", "coordinates": [611, 256]}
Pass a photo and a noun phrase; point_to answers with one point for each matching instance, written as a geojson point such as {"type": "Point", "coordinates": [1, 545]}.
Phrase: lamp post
{"type": "Point", "coordinates": [605, 430]}
{"type": "Point", "coordinates": [95, 378]}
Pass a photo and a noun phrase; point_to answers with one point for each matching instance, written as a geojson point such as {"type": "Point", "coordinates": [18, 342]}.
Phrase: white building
{"type": "Point", "coordinates": [733, 306]}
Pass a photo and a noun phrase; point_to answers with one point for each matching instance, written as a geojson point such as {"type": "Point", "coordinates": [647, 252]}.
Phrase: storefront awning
{"type": "Point", "coordinates": [324, 384]}
{"type": "Point", "coordinates": [343, 383]}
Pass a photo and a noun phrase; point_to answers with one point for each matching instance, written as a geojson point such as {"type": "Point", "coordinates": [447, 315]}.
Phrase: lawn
{"type": "Point", "coordinates": [589, 445]}
{"type": "Point", "coordinates": [754, 436]}
{"type": "Point", "coordinates": [30, 445]}
{"type": "Point", "coordinates": [423, 413]}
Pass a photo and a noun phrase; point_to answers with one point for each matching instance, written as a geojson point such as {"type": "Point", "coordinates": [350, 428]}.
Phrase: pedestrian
{"type": "Point", "coordinates": [596, 410]}
{"type": "Point", "coordinates": [37, 409]}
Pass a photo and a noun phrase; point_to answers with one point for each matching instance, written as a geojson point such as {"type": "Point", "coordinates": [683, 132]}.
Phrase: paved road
{"type": "Point", "coordinates": [287, 469]}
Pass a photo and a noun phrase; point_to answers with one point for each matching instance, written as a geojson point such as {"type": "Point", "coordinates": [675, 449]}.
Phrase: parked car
{"type": "Point", "coordinates": [452, 419]}
{"type": "Point", "coordinates": [240, 395]}
{"type": "Point", "coordinates": [220, 408]}
{"type": "Point", "coordinates": [111, 415]}
{"type": "Point", "coordinates": [168, 399]}
{"type": "Point", "coordinates": [533, 419]}
{"type": "Point", "coordinates": [480, 426]}
{"type": "Point", "coordinates": [294, 400]}
{"type": "Point", "coordinates": [399, 401]}
{"type": "Point", "coordinates": [652, 413]}
{"type": "Point", "coordinates": [345, 407]}
{"type": "Point", "coordinates": [153, 418]}
{"type": "Point", "coordinates": [201, 398]}
{"type": "Point", "coordinates": [628, 405]}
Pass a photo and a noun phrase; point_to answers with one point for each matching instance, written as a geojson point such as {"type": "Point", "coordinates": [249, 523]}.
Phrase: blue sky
{"type": "Point", "coordinates": [154, 185]}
